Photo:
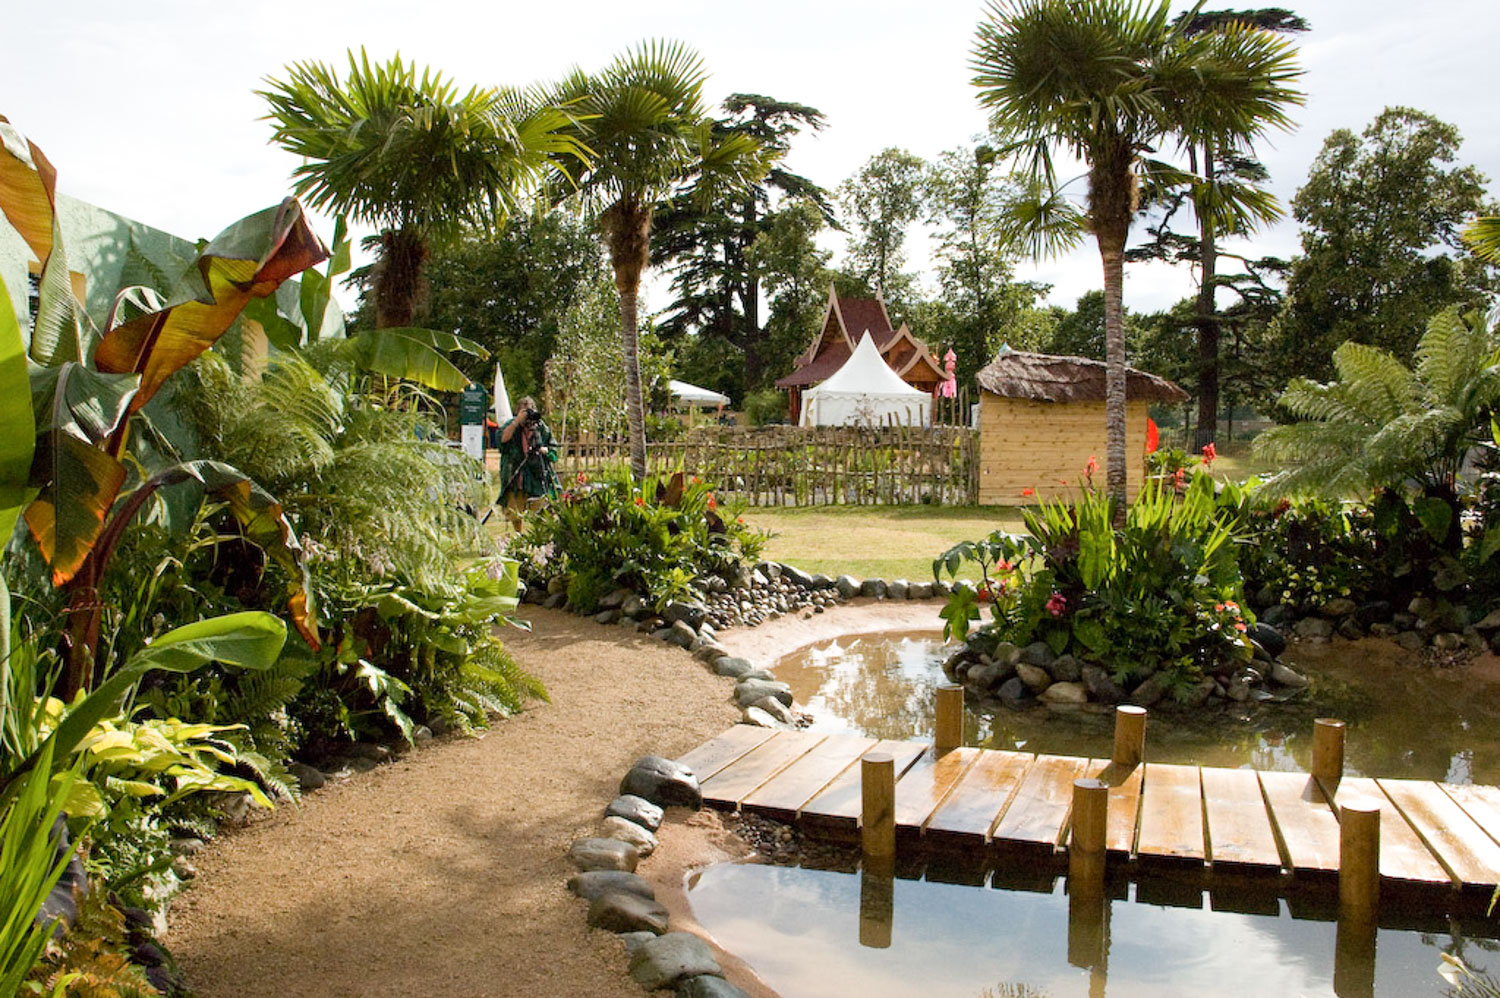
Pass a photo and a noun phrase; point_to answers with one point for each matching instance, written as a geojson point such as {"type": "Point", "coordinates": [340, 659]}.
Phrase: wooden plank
{"type": "Point", "coordinates": [1480, 803]}
{"type": "Point", "coordinates": [1470, 855]}
{"type": "Point", "coordinates": [718, 752]}
{"type": "Point", "coordinates": [1039, 813]}
{"type": "Point", "coordinates": [785, 793]}
{"type": "Point", "coordinates": [981, 796]}
{"type": "Point", "coordinates": [1124, 803]}
{"type": "Point", "coordinates": [1307, 831]}
{"type": "Point", "coordinates": [927, 782]}
{"type": "Point", "coordinates": [1171, 813]}
{"type": "Point", "coordinates": [1403, 855]}
{"type": "Point", "coordinates": [1238, 828]}
{"type": "Point", "coordinates": [734, 781]}
{"type": "Point", "coordinates": [839, 802]}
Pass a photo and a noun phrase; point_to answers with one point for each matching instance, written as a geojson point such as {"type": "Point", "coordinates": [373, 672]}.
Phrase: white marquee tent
{"type": "Point", "coordinates": [865, 392]}
{"type": "Point", "coordinates": [691, 395]}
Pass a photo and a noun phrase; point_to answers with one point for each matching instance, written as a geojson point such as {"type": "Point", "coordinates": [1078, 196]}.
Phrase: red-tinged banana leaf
{"type": "Point", "coordinates": [18, 439]}
{"type": "Point", "coordinates": [248, 260]}
{"type": "Point", "coordinates": [74, 410]}
{"type": "Point", "coordinates": [261, 518]}
{"type": "Point", "coordinates": [28, 198]}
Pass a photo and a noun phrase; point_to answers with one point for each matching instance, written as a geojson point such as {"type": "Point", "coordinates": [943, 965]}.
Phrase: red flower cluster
{"type": "Point", "coordinates": [712, 504]}
{"type": "Point", "coordinates": [1057, 604]}
{"type": "Point", "coordinates": [639, 501]}
{"type": "Point", "coordinates": [1209, 453]}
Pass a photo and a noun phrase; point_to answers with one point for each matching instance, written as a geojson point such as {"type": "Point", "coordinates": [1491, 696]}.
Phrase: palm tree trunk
{"type": "Point", "coordinates": [1112, 255]}
{"type": "Point", "coordinates": [1208, 323]}
{"type": "Point", "coordinates": [400, 288]}
{"type": "Point", "coordinates": [627, 232]}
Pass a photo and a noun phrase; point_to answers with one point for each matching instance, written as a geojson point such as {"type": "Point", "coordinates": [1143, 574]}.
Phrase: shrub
{"type": "Point", "coordinates": [1161, 595]}
{"type": "Point", "coordinates": [765, 406]}
{"type": "Point", "coordinates": [659, 540]}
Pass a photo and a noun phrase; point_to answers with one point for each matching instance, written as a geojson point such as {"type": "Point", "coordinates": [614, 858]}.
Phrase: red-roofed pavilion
{"type": "Point", "coordinates": [845, 321]}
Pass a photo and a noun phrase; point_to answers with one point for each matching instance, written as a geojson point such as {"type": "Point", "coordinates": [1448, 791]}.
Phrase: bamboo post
{"type": "Point", "coordinates": [1328, 751]}
{"type": "Point", "coordinates": [877, 903]}
{"type": "Point", "coordinates": [877, 772]}
{"type": "Point", "coordinates": [948, 732]}
{"type": "Point", "coordinates": [1359, 859]}
{"type": "Point", "coordinates": [1130, 735]}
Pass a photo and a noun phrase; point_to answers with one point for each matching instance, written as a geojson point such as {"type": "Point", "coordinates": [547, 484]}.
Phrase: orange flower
{"type": "Point", "coordinates": [712, 504]}
{"type": "Point", "coordinates": [639, 501]}
{"type": "Point", "coordinates": [1240, 626]}
{"type": "Point", "coordinates": [1028, 492]}
{"type": "Point", "coordinates": [1092, 467]}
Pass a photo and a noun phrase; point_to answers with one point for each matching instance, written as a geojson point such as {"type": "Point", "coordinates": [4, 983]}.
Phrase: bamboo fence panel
{"type": "Point", "coordinates": [803, 466]}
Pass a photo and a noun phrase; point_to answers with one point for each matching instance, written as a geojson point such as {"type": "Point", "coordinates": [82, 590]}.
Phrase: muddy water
{"type": "Point", "coordinates": [1404, 718]}
{"type": "Point", "coordinates": [817, 933]}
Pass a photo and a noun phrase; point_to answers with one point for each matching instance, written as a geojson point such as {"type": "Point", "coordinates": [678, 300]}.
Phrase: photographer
{"type": "Point", "coordinates": [526, 458]}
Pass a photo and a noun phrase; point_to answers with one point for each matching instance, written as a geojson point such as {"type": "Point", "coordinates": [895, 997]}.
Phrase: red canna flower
{"type": "Point", "coordinates": [1092, 467]}
{"type": "Point", "coordinates": [639, 501]}
{"type": "Point", "coordinates": [1028, 492]}
{"type": "Point", "coordinates": [1209, 453]}
{"type": "Point", "coordinates": [1057, 604]}
{"type": "Point", "coordinates": [1005, 566]}
{"type": "Point", "coordinates": [712, 504]}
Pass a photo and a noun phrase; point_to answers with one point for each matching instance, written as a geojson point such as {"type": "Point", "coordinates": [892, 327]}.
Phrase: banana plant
{"type": "Point", "coordinates": [85, 387]}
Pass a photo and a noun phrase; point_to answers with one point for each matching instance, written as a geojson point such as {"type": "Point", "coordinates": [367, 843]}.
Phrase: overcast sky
{"type": "Point", "coordinates": [148, 107]}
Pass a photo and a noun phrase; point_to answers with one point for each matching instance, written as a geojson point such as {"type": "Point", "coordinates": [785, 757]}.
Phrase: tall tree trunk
{"type": "Point", "coordinates": [400, 288]}
{"type": "Point", "coordinates": [627, 230]}
{"type": "Point", "coordinates": [1207, 321]}
{"type": "Point", "coordinates": [1111, 203]}
{"type": "Point", "coordinates": [754, 365]}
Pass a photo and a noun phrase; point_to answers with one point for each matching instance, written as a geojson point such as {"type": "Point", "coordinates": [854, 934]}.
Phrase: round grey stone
{"type": "Point", "coordinates": [603, 854]}
{"type": "Point", "coordinates": [750, 690]}
{"type": "Point", "coordinates": [622, 911]}
{"type": "Point", "coordinates": [662, 782]}
{"type": "Point", "coordinates": [733, 667]}
{"type": "Point", "coordinates": [592, 883]}
{"type": "Point", "coordinates": [1035, 677]}
{"type": "Point", "coordinates": [636, 809]}
{"type": "Point", "coordinates": [708, 986]}
{"type": "Point", "coordinates": [669, 958]}
{"type": "Point", "coordinates": [628, 831]}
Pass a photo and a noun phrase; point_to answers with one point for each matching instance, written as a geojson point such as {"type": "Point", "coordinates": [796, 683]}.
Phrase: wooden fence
{"type": "Point", "coordinates": [803, 466]}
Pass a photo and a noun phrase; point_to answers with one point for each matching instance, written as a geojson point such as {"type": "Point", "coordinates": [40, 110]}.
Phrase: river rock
{"type": "Point", "coordinates": [672, 957]}
{"type": "Point", "coordinates": [628, 831]}
{"type": "Point", "coordinates": [820, 581]}
{"type": "Point", "coordinates": [1065, 693]}
{"type": "Point", "coordinates": [1411, 641]}
{"type": "Point", "coordinates": [708, 986]}
{"type": "Point", "coordinates": [554, 601]}
{"type": "Point", "coordinates": [1066, 669]}
{"type": "Point", "coordinates": [1014, 692]}
{"type": "Point", "coordinates": [615, 600]}
{"type": "Point", "coordinates": [1287, 676]}
{"type": "Point", "coordinates": [1006, 653]}
{"type": "Point", "coordinates": [989, 675]}
{"type": "Point", "coordinates": [607, 616]}
{"type": "Point", "coordinates": [309, 778]}
{"type": "Point", "coordinates": [847, 586]}
{"type": "Point", "coordinates": [634, 940]}
{"type": "Point", "coordinates": [1039, 654]}
{"type": "Point", "coordinates": [896, 589]}
{"type": "Point", "coordinates": [1035, 677]}
{"type": "Point", "coordinates": [1100, 686]}
{"type": "Point", "coordinates": [709, 653]}
{"type": "Point", "coordinates": [872, 587]}
{"type": "Point", "coordinates": [662, 782]}
{"type": "Point", "coordinates": [1373, 612]}
{"type": "Point", "coordinates": [1276, 615]}
{"type": "Point", "coordinates": [735, 668]}
{"type": "Point", "coordinates": [765, 675]}
{"type": "Point", "coordinates": [691, 614]}
{"type": "Point", "coordinates": [1338, 608]}
{"type": "Point", "coordinates": [758, 718]}
{"type": "Point", "coordinates": [633, 606]}
{"type": "Point", "coordinates": [1199, 693]}
{"type": "Point", "coordinates": [1447, 641]}
{"type": "Point", "coordinates": [1381, 629]}
{"type": "Point", "coordinates": [796, 577]}
{"type": "Point", "coordinates": [622, 911]}
{"type": "Point", "coordinates": [775, 708]}
{"type": "Point", "coordinates": [680, 634]}
{"type": "Point", "coordinates": [919, 590]}
{"type": "Point", "coordinates": [1148, 693]}
{"type": "Point", "coordinates": [750, 690]}
{"type": "Point", "coordinates": [592, 883]}
{"type": "Point", "coordinates": [941, 588]}
{"type": "Point", "coordinates": [1313, 628]}
{"type": "Point", "coordinates": [1349, 629]}
{"type": "Point", "coordinates": [603, 854]}
{"type": "Point", "coordinates": [1268, 638]}
{"type": "Point", "coordinates": [636, 809]}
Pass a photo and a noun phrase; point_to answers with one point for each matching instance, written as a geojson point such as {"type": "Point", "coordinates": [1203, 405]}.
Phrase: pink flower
{"type": "Point", "coordinates": [1057, 604]}
{"type": "Point", "coordinates": [1092, 467]}
{"type": "Point", "coordinates": [1005, 566]}
{"type": "Point", "coordinates": [1240, 626]}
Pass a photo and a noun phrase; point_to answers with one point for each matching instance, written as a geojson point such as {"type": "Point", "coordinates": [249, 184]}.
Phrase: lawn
{"type": "Point", "coordinates": [885, 542]}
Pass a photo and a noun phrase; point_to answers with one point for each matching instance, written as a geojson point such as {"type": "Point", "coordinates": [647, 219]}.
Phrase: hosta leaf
{"type": "Point", "coordinates": [250, 259]}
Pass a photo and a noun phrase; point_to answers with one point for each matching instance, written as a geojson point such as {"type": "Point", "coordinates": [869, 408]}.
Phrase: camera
{"type": "Point", "coordinates": [532, 416]}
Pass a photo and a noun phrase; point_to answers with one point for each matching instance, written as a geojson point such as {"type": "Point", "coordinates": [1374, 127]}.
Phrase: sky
{"type": "Point", "coordinates": [149, 108]}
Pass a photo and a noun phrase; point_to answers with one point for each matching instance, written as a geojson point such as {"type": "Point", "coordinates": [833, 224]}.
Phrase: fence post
{"type": "Point", "coordinates": [877, 830]}
{"type": "Point", "coordinates": [948, 732]}
{"type": "Point", "coordinates": [1328, 751]}
{"type": "Point", "coordinates": [1130, 735]}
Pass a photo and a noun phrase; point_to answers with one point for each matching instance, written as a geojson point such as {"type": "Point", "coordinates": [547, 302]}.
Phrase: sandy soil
{"type": "Point", "coordinates": [443, 873]}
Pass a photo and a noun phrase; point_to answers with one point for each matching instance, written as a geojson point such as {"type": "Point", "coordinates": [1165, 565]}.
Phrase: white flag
{"type": "Point", "coordinates": [503, 413]}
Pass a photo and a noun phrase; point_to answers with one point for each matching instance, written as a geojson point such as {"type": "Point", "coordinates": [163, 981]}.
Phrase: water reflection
{"type": "Point", "coordinates": [1403, 720]}
{"type": "Point", "coordinates": [808, 934]}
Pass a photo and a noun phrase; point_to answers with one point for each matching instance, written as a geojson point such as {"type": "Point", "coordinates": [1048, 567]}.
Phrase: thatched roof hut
{"type": "Point", "coordinates": [1041, 418]}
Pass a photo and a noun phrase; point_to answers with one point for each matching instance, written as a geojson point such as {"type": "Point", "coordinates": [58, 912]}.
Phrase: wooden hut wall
{"type": "Point", "coordinates": [1025, 444]}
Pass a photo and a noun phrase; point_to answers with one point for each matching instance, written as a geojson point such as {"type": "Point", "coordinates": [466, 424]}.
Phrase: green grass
{"type": "Point", "coordinates": [875, 542]}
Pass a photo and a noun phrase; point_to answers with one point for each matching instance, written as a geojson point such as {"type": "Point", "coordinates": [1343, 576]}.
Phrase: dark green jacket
{"type": "Point", "coordinates": [536, 477]}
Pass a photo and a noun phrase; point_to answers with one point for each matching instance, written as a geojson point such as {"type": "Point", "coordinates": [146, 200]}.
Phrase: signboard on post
{"type": "Point", "coordinates": [473, 402]}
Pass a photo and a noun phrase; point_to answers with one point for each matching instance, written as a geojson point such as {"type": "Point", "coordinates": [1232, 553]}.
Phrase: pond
{"type": "Point", "coordinates": [933, 932]}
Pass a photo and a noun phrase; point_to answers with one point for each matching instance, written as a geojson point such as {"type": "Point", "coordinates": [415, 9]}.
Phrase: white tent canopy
{"type": "Point", "coordinates": [865, 391]}
{"type": "Point", "coordinates": [691, 395]}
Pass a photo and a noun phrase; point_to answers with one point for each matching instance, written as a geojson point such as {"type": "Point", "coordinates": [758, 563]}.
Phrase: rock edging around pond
{"type": "Point", "coordinates": [623, 902]}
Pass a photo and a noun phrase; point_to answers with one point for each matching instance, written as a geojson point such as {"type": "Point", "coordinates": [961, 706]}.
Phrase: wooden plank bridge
{"type": "Point", "coordinates": [1433, 837]}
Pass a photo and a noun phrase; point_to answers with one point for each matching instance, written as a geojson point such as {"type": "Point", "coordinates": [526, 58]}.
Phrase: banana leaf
{"type": "Point", "coordinates": [413, 354]}
{"type": "Point", "coordinates": [248, 260]}
{"type": "Point", "coordinates": [18, 442]}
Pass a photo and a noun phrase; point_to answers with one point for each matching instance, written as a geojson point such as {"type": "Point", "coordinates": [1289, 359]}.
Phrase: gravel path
{"type": "Point", "coordinates": [442, 873]}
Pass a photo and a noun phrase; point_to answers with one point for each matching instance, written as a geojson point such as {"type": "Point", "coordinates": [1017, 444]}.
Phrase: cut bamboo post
{"type": "Point", "coordinates": [1328, 751]}
{"type": "Point", "coordinates": [1130, 735]}
{"type": "Point", "coordinates": [877, 906]}
{"type": "Point", "coordinates": [1086, 842]}
{"type": "Point", "coordinates": [948, 732]}
{"type": "Point", "coordinates": [877, 830]}
{"type": "Point", "coordinates": [1359, 859]}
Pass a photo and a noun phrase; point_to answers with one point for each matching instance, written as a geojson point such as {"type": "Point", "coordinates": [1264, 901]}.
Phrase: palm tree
{"type": "Point", "coordinates": [1107, 81]}
{"type": "Point", "coordinates": [647, 126]}
{"type": "Point", "coordinates": [412, 156]}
